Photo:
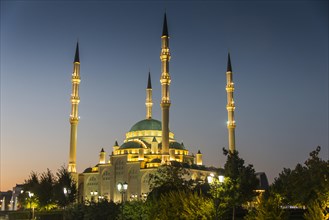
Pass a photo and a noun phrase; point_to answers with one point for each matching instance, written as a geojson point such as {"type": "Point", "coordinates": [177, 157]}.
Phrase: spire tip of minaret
{"type": "Point", "coordinates": [165, 27]}
{"type": "Point", "coordinates": [76, 57]}
{"type": "Point", "coordinates": [229, 66]}
{"type": "Point", "coordinates": [149, 84]}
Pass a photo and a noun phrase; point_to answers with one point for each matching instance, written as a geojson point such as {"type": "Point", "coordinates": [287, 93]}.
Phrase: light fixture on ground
{"type": "Point", "coordinates": [100, 198]}
{"type": "Point", "coordinates": [93, 195]}
{"type": "Point", "coordinates": [143, 196]}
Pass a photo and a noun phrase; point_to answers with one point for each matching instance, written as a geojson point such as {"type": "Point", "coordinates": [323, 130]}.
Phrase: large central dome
{"type": "Point", "coordinates": [147, 124]}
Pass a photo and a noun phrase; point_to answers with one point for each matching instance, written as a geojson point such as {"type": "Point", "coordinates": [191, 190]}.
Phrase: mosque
{"type": "Point", "coordinates": [149, 143]}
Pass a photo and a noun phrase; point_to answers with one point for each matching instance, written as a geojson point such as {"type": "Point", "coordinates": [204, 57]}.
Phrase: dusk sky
{"type": "Point", "coordinates": [279, 54]}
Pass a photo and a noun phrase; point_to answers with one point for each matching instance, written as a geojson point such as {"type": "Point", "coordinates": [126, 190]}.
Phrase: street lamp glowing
{"type": "Point", "coordinates": [94, 193]}
{"type": "Point", "coordinates": [31, 194]}
{"type": "Point", "coordinates": [125, 186]}
{"type": "Point", "coordinates": [119, 186]}
{"type": "Point", "coordinates": [221, 178]}
{"type": "Point", "coordinates": [210, 178]}
{"type": "Point", "coordinates": [122, 188]}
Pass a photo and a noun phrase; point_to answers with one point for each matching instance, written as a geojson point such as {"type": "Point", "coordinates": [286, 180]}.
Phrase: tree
{"type": "Point", "coordinates": [135, 210]}
{"type": "Point", "coordinates": [65, 188]}
{"type": "Point", "coordinates": [168, 178]}
{"type": "Point", "coordinates": [45, 191]}
{"type": "Point", "coordinates": [100, 210]}
{"type": "Point", "coordinates": [48, 190]}
{"type": "Point", "coordinates": [243, 179]}
{"type": "Point", "coordinates": [173, 196]}
{"type": "Point", "coordinates": [181, 205]}
{"type": "Point", "coordinates": [268, 208]}
{"type": "Point", "coordinates": [307, 184]}
{"type": "Point", "coordinates": [314, 212]}
{"type": "Point", "coordinates": [31, 186]}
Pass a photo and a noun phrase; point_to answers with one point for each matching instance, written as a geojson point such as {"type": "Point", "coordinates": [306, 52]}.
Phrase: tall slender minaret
{"type": "Point", "coordinates": [149, 102]}
{"type": "Point", "coordinates": [230, 106]}
{"type": "Point", "coordinates": [165, 83]}
{"type": "Point", "coordinates": [74, 118]}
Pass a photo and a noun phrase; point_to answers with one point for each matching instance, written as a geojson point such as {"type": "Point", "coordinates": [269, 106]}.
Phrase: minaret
{"type": "Point", "coordinates": [230, 106]}
{"type": "Point", "coordinates": [102, 156]}
{"type": "Point", "coordinates": [198, 158]}
{"type": "Point", "coordinates": [165, 83]}
{"type": "Point", "coordinates": [149, 102]}
{"type": "Point", "coordinates": [74, 118]}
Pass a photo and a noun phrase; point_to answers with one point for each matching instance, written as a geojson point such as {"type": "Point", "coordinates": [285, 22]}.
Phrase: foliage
{"type": "Point", "coordinates": [243, 181]}
{"type": "Point", "coordinates": [135, 210]}
{"type": "Point", "coordinates": [101, 210]}
{"type": "Point", "coordinates": [221, 194]}
{"type": "Point", "coordinates": [168, 178]}
{"type": "Point", "coordinates": [267, 208]}
{"type": "Point", "coordinates": [305, 185]}
{"type": "Point", "coordinates": [31, 186]}
{"type": "Point", "coordinates": [314, 212]}
{"type": "Point", "coordinates": [75, 212]}
{"type": "Point", "coordinates": [93, 211]}
{"type": "Point", "coordinates": [181, 205]}
{"type": "Point", "coordinates": [171, 190]}
{"type": "Point", "coordinates": [64, 180]}
{"type": "Point", "coordinates": [47, 190]}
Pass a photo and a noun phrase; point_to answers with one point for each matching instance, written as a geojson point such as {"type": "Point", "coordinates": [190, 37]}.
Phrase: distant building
{"type": "Point", "coordinates": [148, 144]}
{"type": "Point", "coordinates": [6, 201]}
{"type": "Point", "coordinates": [263, 182]}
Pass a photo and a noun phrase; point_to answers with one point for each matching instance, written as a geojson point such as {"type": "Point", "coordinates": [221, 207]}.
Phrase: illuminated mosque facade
{"type": "Point", "coordinates": [148, 144]}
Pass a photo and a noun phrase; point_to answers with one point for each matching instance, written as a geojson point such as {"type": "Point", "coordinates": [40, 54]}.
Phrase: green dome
{"type": "Point", "coordinates": [131, 144]}
{"type": "Point", "coordinates": [147, 124]}
{"type": "Point", "coordinates": [176, 145]}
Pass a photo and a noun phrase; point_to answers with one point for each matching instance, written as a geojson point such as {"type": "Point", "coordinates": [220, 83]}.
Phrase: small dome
{"type": "Point", "coordinates": [131, 144]}
{"type": "Point", "coordinates": [88, 170]}
{"type": "Point", "coordinates": [147, 124]}
{"type": "Point", "coordinates": [176, 145]}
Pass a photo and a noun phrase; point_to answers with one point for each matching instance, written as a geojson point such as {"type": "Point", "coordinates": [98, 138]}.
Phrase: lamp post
{"type": "Point", "coordinates": [122, 188]}
{"type": "Point", "coordinates": [32, 209]}
{"type": "Point", "coordinates": [213, 182]}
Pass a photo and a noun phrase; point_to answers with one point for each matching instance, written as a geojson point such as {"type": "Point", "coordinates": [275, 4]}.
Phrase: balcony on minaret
{"type": "Point", "coordinates": [165, 78]}
{"type": "Point", "coordinates": [230, 124]}
{"type": "Point", "coordinates": [230, 107]}
{"type": "Point", "coordinates": [76, 79]}
{"type": "Point", "coordinates": [230, 87]}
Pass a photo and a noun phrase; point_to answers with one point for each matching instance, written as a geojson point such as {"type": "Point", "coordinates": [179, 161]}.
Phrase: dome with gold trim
{"type": "Point", "coordinates": [147, 124]}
